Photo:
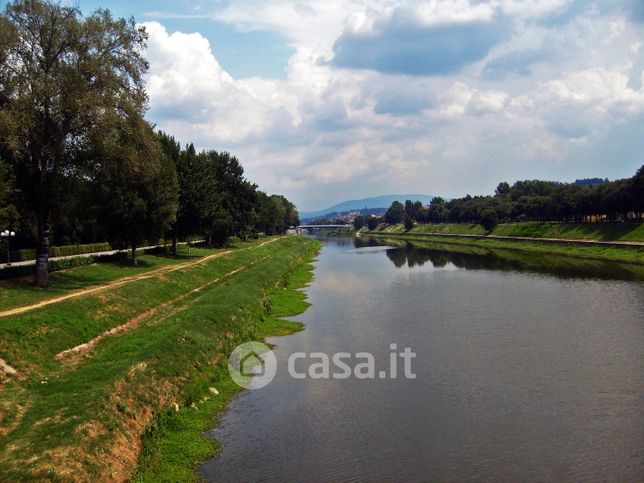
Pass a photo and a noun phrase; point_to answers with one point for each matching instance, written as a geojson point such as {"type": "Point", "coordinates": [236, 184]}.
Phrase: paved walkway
{"type": "Point", "coordinates": [92, 254]}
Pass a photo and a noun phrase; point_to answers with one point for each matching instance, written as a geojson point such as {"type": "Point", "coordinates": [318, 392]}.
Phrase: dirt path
{"type": "Point", "coordinates": [122, 281]}
{"type": "Point", "coordinates": [87, 347]}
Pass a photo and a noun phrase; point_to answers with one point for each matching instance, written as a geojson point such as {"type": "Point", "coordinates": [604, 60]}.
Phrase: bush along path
{"type": "Point", "coordinates": [82, 415]}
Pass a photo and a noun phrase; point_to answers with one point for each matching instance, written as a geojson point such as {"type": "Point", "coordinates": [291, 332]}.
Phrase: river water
{"type": "Point", "coordinates": [525, 370]}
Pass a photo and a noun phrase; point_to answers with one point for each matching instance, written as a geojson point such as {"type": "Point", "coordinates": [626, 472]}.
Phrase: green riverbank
{"type": "Point", "coordinates": [333, 232]}
{"type": "Point", "coordinates": [175, 444]}
{"type": "Point", "coordinates": [419, 252]}
{"type": "Point", "coordinates": [596, 252]}
{"type": "Point", "coordinates": [624, 232]}
{"type": "Point", "coordinates": [99, 376]}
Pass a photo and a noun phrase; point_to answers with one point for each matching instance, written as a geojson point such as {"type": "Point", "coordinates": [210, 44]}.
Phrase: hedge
{"type": "Point", "coordinates": [63, 264]}
{"type": "Point", "coordinates": [54, 266]}
{"type": "Point", "coordinates": [26, 254]}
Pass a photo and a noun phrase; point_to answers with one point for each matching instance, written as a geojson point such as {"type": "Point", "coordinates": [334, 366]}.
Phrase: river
{"type": "Point", "coordinates": [526, 369]}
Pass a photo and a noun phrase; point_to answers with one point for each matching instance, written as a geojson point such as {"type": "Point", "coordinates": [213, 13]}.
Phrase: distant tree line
{"type": "Point", "coordinates": [78, 161]}
{"type": "Point", "coordinates": [584, 200]}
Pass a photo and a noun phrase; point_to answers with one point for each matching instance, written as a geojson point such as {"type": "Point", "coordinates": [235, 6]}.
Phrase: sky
{"type": "Point", "coordinates": [328, 100]}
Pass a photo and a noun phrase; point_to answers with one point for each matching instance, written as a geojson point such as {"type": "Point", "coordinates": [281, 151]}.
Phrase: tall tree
{"type": "Point", "coordinates": [502, 189]}
{"type": "Point", "coordinates": [63, 79]}
{"type": "Point", "coordinates": [489, 219]}
{"type": "Point", "coordinates": [235, 214]}
{"type": "Point", "coordinates": [395, 213]}
{"type": "Point", "coordinates": [372, 223]}
{"type": "Point", "coordinates": [139, 194]}
{"type": "Point", "coordinates": [199, 195]}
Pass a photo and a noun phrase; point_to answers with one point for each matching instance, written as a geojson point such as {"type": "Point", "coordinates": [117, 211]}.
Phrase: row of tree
{"type": "Point", "coordinates": [78, 161]}
{"type": "Point", "coordinates": [528, 200]}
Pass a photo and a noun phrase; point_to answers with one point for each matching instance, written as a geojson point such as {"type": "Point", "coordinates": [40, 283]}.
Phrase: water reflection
{"type": "Point", "coordinates": [520, 376]}
{"type": "Point", "coordinates": [416, 254]}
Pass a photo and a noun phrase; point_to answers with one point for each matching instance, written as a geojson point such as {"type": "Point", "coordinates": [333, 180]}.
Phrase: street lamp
{"type": "Point", "coordinates": [8, 234]}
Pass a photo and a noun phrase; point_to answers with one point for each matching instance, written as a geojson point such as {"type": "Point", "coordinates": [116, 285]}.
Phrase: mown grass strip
{"type": "Point", "coordinates": [28, 340]}
{"type": "Point", "coordinates": [20, 292]}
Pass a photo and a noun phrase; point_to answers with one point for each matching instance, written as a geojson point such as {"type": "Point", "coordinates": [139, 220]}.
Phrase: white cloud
{"type": "Point", "coordinates": [531, 8]}
{"type": "Point", "coordinates": [452, 11]}
{"type": "Point", "coordinates": [597, 88]}
{"type": "Point", "coordinates": [323, 133]}
{"type": "Point", "coordinates": [190, 91]}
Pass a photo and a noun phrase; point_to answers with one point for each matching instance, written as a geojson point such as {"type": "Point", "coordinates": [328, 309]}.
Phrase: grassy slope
{"type": "Point", "coordinates": [605, 232]}
{"type": "Point", "coordinates": [85, 420]}
{"type": "Point", "coordinates": [627, 255]}
{"type": "Point", "coordinates": [16, 293]}
{"type": "Point", "coordinates": [177, 443]}
{"type": "Point", "coordinates": [538, 229]}
{"type": "Point", "coordinates": [335, 232]}
{"type": "Point", "coordinates": [451, 228]}
{"type": "Point", "coordinates": [575, 231]}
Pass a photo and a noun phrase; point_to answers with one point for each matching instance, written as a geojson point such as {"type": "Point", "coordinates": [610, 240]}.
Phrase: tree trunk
{"type": "Point", "coordinates": [42, 259]}
{"type": "Point", "coordinates": [174, 244]}
{"type": "Point", "coordinates": [135, 259]}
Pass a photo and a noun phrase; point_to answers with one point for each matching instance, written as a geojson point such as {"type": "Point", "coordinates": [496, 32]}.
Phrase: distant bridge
{"type": "Point", "coordinates": [323, 226]}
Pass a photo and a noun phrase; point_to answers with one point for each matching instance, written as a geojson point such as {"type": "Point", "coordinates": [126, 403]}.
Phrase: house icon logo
{"type": "Point", "coordinates": [252, 365]}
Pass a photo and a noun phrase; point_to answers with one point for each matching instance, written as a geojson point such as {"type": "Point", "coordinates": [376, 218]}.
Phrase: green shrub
{"type": "Point", "coordinates": [21, 255]}
{"type": "Point", "coordinates": [69, 250]}
{"type": "Point", "coordinates": [16, 272]}
{"type": "Point", "coordinates": [65, 263]}
{"type": "Point", "coordinates": [408, 221]}
{"type": "Point", "coordinates": [489, 219]}
{"type": "Point", "coordinates": [54, 266]}
{"type": "Point", "coordinates": [25, 254]}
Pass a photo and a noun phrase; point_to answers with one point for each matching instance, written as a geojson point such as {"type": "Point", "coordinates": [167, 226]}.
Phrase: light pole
{"type": "Point", "coordinates": [8, 234]}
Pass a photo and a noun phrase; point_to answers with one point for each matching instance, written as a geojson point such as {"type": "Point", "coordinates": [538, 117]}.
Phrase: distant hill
{"type": "Point", "coordinates": [383, 201]}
